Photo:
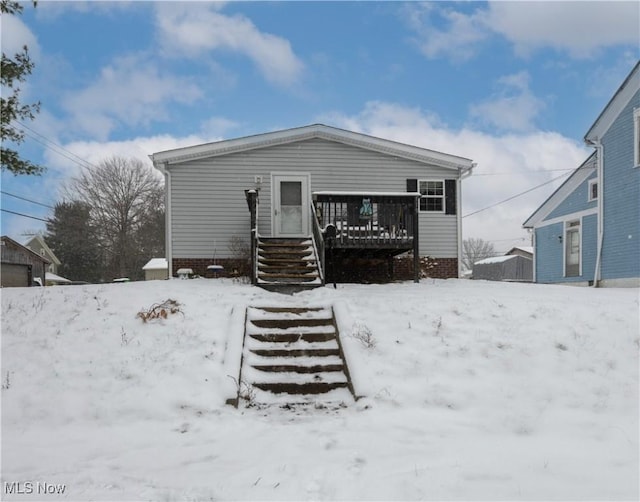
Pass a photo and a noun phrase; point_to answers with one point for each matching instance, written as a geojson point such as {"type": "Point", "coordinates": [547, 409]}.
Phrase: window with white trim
{"type": "Point", "coordinates": [593, 190]}
{"type": "Point", "coordinates": [431, 195]}
{"type": "Point", "coordinates": [636, 137]}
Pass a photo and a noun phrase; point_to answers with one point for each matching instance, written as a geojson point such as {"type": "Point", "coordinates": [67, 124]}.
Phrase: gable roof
{"type": "Point", "coordinates": [586, 169]}
{"type": "Point", "coordinates": [8, 240]}
{"type": "Point", "coordinates": [40, 242]}
{"type": "Point", "coordinates": [526, 249]}
{"type": "Point", "coordinates": [163, 159]}
{"type": "Point", "coordinates": [616, 104]}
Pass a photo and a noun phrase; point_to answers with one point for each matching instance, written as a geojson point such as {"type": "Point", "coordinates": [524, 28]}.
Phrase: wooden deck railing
{"type": "Point", "coordinates": [369, 220]}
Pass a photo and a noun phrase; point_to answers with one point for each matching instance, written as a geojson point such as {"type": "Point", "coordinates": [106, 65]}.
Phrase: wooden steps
{"type": "Point", "coordinates": [293, 355]}
{"type": "Point", "coordinates": [287, 264]}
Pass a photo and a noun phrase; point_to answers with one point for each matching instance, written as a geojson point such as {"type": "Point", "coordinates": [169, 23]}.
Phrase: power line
{"type": "Point", "coordinates": [24, 215]}
{"type": "Point", "coordinates": [515, 196]}
{"type": "Point", "coordinates": [59, 149]}
{"type": "Point", "coordinates": [25, 199]}
{"type": "Point", "coordinates": [520, 173]}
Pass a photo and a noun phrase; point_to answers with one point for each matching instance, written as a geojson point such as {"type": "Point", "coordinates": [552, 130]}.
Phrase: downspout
{"type": "Point", "coordinates": [464, 173]}
{"type": "Point", "coordinates": [600, 164]}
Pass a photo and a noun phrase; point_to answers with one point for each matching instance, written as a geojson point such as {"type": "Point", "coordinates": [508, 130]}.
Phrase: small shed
{"type": "Point", "coordinates": [20, 267]}
{"type": "Point", "coordinates": [526, 251]}
{"type": "Point", "coordinates": [504, 268]}
{"type": "Point", "coordinates": [156, 269]}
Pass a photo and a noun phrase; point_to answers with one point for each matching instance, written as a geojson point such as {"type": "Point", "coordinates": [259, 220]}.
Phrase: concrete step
{"type": "Point", "coordinates": [295, 352]}
{"type": "Point", "coordinates": [302, 388]}
{"type": "Point", "coordinates": [293, 337]}
{"type": "Point", "coordinates": [292, 368]}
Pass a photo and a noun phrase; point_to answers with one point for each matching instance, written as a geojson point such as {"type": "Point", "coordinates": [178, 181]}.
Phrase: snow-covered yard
{"type": "Point", "coordinates": [474, 390]}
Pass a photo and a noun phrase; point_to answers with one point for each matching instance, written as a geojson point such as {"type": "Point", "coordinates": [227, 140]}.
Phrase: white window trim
{"type": "Point", "coordinates": [433, 196]}
{"type": "Point", "coordinates": [636, 137]}
{"type": "Point", "coordinates": [567, 226]}
{"type": "Point", "coordinates": [590, 197]}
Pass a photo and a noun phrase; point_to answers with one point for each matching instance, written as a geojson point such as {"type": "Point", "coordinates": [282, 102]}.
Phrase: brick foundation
{"type": "Point", "coordinates": [361, 270]}
{"type": "Point", "coordinates": [436, 268]}
{"type": "Point", "coordinates": [232, 267]}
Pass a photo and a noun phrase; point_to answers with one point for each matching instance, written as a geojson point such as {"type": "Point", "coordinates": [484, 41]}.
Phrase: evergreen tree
{"type": "Point", "coordinates": [73, 238]}
{"type": "Point", "coordinates": [14, 70]}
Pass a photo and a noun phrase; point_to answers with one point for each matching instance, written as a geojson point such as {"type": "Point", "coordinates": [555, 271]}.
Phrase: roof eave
{"type": "Point", "coordinates": [619, 100]}
{"type": "Point", "coordinates": [163, 159]}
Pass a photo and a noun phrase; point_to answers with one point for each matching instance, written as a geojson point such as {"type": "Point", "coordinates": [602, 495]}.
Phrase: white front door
{"type": "Point", "coordinates": [290, 205]}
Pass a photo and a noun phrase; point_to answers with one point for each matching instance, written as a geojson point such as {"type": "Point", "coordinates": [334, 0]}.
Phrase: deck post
{"type": "Point", "coordinates": [416, 241]}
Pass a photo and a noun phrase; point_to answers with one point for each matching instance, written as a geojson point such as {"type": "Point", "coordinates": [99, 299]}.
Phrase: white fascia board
{"type": "Point", "coordinates": [563, 191]}
{"type": "Point", "coordinates": [310, 132]}
{"type": "Point", "coordinates": [578, 215]}
{"type": "Point", "coordinates": [615, 106]}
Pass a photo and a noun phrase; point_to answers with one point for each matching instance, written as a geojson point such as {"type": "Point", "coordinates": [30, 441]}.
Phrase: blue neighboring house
{"type": "Point", "coordinates": [588, 231]}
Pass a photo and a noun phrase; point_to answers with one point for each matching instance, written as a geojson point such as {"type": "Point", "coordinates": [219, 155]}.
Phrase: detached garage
{"type": "Point", "coordinates": [20, 267]}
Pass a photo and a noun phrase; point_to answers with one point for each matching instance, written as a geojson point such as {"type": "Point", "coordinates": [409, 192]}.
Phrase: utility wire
{"type": "Point", "coordinates": [24, 215]}
{"type": "Point", "coordinates": [59, 149]}
{"type": "Point", "coordinates": [515, 196]}
{"type": "Point", "coordinates": [25, 199]}
{"type": "Point", "coordinates": [520, 173]}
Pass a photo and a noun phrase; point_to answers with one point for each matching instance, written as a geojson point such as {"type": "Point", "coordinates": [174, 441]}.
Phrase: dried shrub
{"type": "Point", "coordinates": [160, 310]}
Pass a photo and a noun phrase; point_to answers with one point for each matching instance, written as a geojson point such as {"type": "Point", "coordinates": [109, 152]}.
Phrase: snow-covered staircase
{"type": "Point", "coordinates": [287, 264]}
{"type": "Point", "coordinates": [293, 355]}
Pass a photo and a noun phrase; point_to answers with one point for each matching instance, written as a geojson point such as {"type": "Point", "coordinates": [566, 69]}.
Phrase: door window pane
{"type": "Point", "coordinates": [291, 193]}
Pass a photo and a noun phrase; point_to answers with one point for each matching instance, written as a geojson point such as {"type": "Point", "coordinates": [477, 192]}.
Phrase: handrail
{"type": "Point", "coordinates": [252, 202]}
{"type": "Point", "coordinates": [318, 242]}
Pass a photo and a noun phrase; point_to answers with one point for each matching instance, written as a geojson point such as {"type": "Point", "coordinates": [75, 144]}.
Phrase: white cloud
{"type": "Point", "coordinates": [93, 152]}
{"type": "Point", "coordinates": [130, 91]}
{"type": "Point", "coordinates": [514, 108]}
{"type": "Point", "coordinates": [522, 156]}
{"type": "Point", "coordinates": [195, 29]}
{"type": "Point", "coordinates": [577, 28]}
{"type": "Point", "coordinates": [458, 39]}
{"type": "Point", "coordinates": [15, 35]}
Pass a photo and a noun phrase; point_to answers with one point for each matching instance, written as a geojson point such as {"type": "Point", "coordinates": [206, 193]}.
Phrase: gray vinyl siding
{"type": "Point", "coordinates": [208, 206]}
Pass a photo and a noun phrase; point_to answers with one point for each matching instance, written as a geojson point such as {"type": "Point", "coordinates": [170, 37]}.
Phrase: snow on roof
{"type": "Point", "coordinates": [528, 249]}
{"type": "Point", "coordinates": [51, 277]}
{"type": "Point", "coordinates": [156, 264]}
{"type": "Point", "coordinates": [495, 259]}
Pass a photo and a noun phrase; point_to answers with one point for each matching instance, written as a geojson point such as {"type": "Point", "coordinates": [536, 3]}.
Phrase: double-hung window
{"type": "Point", "coordinates": [593, 190]}
{"type": "Point", "coordinates": [431, 195]}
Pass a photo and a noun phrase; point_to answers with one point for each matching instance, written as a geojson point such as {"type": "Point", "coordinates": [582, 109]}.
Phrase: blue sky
{"type": "Point", "coordinates": [512, 85]}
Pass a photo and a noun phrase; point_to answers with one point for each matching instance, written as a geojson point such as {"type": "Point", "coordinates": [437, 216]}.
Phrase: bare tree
{"type": "Point", "coordinates": [474, 250]}
{"type": "Point", "coordinates": [122, 193]}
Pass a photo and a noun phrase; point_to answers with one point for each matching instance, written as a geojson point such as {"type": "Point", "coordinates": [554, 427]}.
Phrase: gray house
{"type": "Point", "coordinates": [306, 202]}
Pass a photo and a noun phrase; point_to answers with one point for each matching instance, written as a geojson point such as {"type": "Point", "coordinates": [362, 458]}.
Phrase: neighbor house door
{"type": "Point", "coordinates": [290, 205]}
{"type": "Point", "coordinates": [572, 249]}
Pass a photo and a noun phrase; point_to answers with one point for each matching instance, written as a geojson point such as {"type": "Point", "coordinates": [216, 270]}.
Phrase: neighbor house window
{"type": "Point", "coordinates": [593, 190]}
{"type": "Point", "coordinates": [636, 137]}
{"type": "Point", "coordinates": [431, 195]}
